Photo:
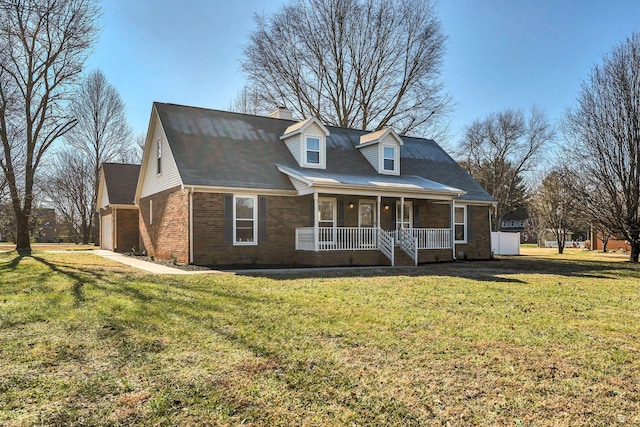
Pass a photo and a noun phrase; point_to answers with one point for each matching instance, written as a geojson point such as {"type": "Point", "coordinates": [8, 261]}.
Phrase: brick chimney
{"type": "Point", "coordinates": [281, 113]}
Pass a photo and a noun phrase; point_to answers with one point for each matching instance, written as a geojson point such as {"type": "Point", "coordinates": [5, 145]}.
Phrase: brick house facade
{"type": "Point", "coordinates": [227, 189]}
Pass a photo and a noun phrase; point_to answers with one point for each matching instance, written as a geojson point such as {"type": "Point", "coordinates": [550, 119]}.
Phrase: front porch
{"type": "Point", "coordinates": [384, 224]}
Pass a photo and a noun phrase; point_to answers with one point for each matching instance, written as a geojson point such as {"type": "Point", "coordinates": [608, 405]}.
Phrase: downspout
{"type": "Point", "coordinates": [191, 225]}
{"type": "Point", "coordinates": [316, 244]}
{"type": "Point", "coordinates": [453, 229]}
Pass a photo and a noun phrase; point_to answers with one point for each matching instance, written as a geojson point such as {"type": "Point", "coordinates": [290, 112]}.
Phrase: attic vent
{"type": "Point", "coordinates": [281, 113]}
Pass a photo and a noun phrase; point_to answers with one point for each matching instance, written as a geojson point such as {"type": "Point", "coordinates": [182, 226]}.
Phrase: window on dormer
{"type": "Point", "coordinates": [313, 151]}
{"type": "Point", "coordinates": [389, 159]}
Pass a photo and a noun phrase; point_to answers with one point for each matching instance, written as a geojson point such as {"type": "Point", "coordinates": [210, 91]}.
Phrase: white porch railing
{"type": "Point", "coordinates": [432, 238]}
{"type": "Point", "coordinates": [428, 238]}
{"type": "Point", "coordinates": [409, 244]}
{"type": "Point", "coordinates": [386, 245]}
{"type": "Point", "coordinates": [356, 238]}
{"type": "Point", "coordinates": [337, 239]}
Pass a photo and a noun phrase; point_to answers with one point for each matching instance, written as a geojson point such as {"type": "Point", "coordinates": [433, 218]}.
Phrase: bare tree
{"type": "Point", "coordinates": [247, 101]}
{"type": "Point", "coordinates": [604, 131]}
{"type": "Point", "coordinates": [499, 149]}
{"type": "Point", "coordinates": [555, 205]}
{"type": "Point", "coordinates": [101, 134]}
{"type": "Point", "coordinates": [364, 64]}
{"type": "Point", "coordinates": [43, 46]}
{"type": "Point", "coordinates": [66, 187]}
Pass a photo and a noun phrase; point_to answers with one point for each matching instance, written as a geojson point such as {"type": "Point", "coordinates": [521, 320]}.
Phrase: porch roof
{"type": "Point", "coordinates": [386, 183]}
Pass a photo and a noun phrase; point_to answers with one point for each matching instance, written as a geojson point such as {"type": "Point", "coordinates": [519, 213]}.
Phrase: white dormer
{"type": "Point", "coordinates": [307, 141]}
{"type": "Point", "coordinates": [382, 149]}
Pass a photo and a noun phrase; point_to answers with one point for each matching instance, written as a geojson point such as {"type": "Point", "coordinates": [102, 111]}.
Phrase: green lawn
{"type": "Point", "coordinates": [531, 340]}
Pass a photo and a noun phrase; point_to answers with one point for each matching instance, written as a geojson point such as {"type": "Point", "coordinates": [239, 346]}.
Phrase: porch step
{"type": "Point", "coordinates": [401, 258]}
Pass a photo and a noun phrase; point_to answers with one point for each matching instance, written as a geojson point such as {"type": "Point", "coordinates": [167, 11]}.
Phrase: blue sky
{"type": "Point", "coordinates": [500, 53]}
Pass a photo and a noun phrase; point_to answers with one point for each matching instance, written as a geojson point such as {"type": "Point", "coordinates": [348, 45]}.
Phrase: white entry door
{"type": "Point", "coordinates": [106, 234]}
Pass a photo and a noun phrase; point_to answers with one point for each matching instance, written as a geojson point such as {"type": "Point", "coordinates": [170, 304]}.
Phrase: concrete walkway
{"type": "Point", "coordinates": [149, 267]}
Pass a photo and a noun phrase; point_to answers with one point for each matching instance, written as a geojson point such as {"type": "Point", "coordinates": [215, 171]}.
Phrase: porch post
{"type": "Point", "coordinates": [453, 229]}
{"type": "Point", "coordinates": [401, 211]}
{"type": "Point", "coordinates": [378, 213]}
{"type": "Point", "coordinates": [315, 222]}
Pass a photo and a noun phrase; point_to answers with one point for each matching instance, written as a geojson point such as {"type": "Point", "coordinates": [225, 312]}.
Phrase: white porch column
{"type": "Point", "coordinates": [315, 222]}
{"type": "Point", "coordinates": [401, 211]}
{"type": "Point", "coordinates": [453, 229]}
{"type": "Point", "coordinates": [378, 213]}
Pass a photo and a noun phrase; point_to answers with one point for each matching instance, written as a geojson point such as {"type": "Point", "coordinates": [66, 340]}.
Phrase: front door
{"type": "Point", "coordinates": [407, 220]}
{"type": "Point", "coordinates": [366, 223]}
{"type": "Point", "coordinates": [367, 216]}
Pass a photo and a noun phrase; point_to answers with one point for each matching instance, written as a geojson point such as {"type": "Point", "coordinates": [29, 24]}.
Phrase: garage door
{"type": "Point", "coordinates": [106, 234]}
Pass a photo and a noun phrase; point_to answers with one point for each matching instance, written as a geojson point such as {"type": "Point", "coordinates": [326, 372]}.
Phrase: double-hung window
{"type": "Point", "coordinates": [389, 159]}
{"type": "Point", "coordinates": [313, 151]}
{"type": "Point", "coordinates": [245, 220]}
{"type": "Point", "coordinates": [460, 224]}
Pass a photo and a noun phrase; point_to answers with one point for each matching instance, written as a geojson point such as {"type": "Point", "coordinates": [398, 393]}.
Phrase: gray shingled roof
{"type": "Point", "coordinates": [220, 148]}
{"type": "Point", "coordinates": [120, 182]}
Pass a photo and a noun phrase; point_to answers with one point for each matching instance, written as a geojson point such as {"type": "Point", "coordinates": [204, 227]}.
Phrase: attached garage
{"type": "Point", "coordinates": [118, 213]}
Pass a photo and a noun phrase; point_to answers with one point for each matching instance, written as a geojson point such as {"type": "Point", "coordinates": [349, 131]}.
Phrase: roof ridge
{"type": "Point", "coordinates": [365, 131]}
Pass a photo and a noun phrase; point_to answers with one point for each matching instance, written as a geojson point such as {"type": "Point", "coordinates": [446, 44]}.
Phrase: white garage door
{"type": "Point", "coordinates": [106, 235]}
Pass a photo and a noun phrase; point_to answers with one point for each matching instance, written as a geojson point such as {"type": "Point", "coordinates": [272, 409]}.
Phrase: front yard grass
{"type": "Point", "coordinates": [529, 340]}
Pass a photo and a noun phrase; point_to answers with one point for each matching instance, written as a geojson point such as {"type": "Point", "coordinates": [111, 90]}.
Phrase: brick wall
{"type": "Point", "coordinates": [167, 236]}
{"type": "Point", "coordinates": [127, 230]}
{"type": "Point", "coordinates": [284, 215]}
{"type": "Point", "coordinates": [479, 245]}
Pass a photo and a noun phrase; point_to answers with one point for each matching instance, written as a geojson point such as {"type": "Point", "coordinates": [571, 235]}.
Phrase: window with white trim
{"type": "Point", "coordinates": [313, 151]}
{"type": "Point", "coordinates": [389, 158]}
{"type": "Point", "coordinates": [245, 220]}
{"type": "Point", "coordinates": [460, 224]}
{"type": "Point", "coordinates": [159, 157]}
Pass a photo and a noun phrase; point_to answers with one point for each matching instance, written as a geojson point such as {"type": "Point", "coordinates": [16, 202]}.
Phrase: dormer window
{"type": "Point", "coordinates": [389, 158]}
{"type": "Point", "coordinates": [313, 151]}
{"type": "Point", "coordinates": [307, 141]}
{"type": "Point", "coordinates": [382, 149]}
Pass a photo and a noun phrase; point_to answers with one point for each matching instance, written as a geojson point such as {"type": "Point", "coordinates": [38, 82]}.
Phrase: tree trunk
{"type": "Point", "coordinates": [86, 232]}
{"type": "Point", "coordinates": [23, 244]}
{"type": "Point", "coordinates": [604, 245]}
{"type": "Point", "coordinates": [635, 250]}
{"type": "Point", "coordinates": [560, 245]}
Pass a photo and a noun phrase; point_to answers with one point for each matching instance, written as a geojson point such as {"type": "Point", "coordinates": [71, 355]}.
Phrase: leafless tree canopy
{"type": "Point", "coordinates": [499, 149]}
{"type": "Point", "coordinates": [43, 46]}
{"type": "Point", "coordinates": [68, 188]}
{"type": "Point", "coordinates": [101, 134]}
{"type": "Point", "coordinates": [555, 206]}
{"type": "Point", "coordinates": [363, 64]}
{"type": "Point", "coordinates": [604, 131]}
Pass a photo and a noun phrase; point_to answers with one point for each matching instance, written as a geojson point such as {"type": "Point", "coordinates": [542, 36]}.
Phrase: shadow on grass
{"type": "Point", "coordinates": [12, 264]}
{"type": "Point", "coordinates": [482, 270]}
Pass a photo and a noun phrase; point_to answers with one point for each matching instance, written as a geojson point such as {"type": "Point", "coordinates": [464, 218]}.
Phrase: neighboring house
{"type": "Point", "coordinates": [516, 222]}
{"type": "Point", "coordinates": [118, 214]}
{"type": "Point", "coordinates": [222, 188]}
{"type": "Point", "coordinates": [615, 243]}
{"type": "Point", "coordinates": [45, 225]}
